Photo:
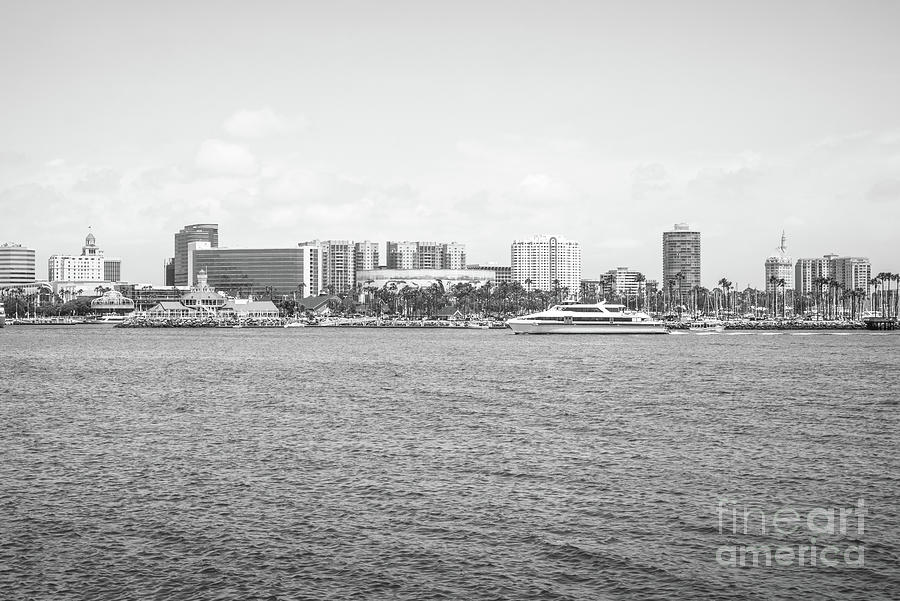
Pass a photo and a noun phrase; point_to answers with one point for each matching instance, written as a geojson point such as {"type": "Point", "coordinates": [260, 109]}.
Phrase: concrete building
{"type": "Point", "coordinates": [338, 264]}
{"type": "Point", "coordinates": [258, 271]}
{"type": "Point", "coordinates": [851, 272]}
{"type": "Point", "coordinates": [112, 269]}
{"type": "Point", "coordinates": [198, 232]}
{"type": "Point", "coordinates": [401, 255]}
{"type": "Point", "coordinates": [806, 271]}
{"type": "Point", "coordinates": [502, 273]}
{"type": "Point", "coordinates": [169, 271]}
{"type": "Point", "coordinates": [544, 262]}
{"type": "Point", "coordinates": [780, 266]}
{"type": "Point", "coordinates": [90, 266]}
{"type": "Point", "coordinates": [453, 256]}
{"type": "Point", "coordinates": [425, 255]}
{"type": "Point", "coordinates": [624, 281]}
{"type": "Point", "coordinates": [16, 265]}
{"type": "Point", "coordinates": [681, 255]}
{"type": "Point", "coordinates": [365, 255]}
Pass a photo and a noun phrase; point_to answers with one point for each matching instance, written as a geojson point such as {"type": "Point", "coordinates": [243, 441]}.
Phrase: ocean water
{"type": "Point", "coordinates": [327, 463]}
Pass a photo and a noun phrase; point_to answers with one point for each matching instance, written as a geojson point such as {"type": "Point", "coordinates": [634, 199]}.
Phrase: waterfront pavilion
{"type": "Point", "coordinates": [112, 303]}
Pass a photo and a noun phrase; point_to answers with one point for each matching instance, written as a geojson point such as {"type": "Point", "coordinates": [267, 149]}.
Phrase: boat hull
{"type": "Point", "coordinates": [520, 326]}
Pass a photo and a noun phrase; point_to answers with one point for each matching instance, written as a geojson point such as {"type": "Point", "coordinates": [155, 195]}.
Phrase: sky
{"type": "Point", "coordinates": [476, 122]}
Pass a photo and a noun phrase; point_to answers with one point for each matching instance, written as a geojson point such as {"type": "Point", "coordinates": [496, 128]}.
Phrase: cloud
{"type": "Point", "coordinates": [98, 181]}
{"type": "Point", "coordinates": [540, 186]}
{"type": "Point", "coordinates": [885, 191]}
{"type": "Point", "coordinates": [648, 181]}
{"type": "Point", "coordinates": [224, 158]}
{"type": "Point", "coordinates": [261, 123]}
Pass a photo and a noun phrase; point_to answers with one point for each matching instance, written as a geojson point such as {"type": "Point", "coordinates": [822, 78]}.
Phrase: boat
{"type": "Point", "coordinates": [2, 317]}
{"type": "Point", "coordinates": [706, 325]}
{"type": "Point", "coordinates": [600, 318]}
{"type": "Point", "coordinates": [294, 324]}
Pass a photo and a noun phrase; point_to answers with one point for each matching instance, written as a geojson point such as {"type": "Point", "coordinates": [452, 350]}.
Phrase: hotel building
{"type": "Point", "coordinates": [90, 266]}
{"type": "Point", "coordinates": [544, 262]}
{"type": "Point", "coordinates": [780, 266]}
{"type": "Point", "coordinates": [16, 265]}
{"type": "Point", "coordinates": [681, 254]}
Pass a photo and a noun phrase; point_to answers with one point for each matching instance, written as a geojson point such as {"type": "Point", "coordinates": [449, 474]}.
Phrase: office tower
{"type": "Point", "coordinates": [681, 255]}
{"type": "Point", "coordinates": [780, 267]}
{"type": "Point", "coordinates": [16, 265]}
{"type": "Point", "coordinates": [546, 262]}
{"type": "Point", "coordinates": [112, 269]}
{"type": "Point", "coordinates": [259, 271]}
{"type": "Point", "coordinates": [199, 232]}
{"type": "Point", "coordinates": [169, 268]}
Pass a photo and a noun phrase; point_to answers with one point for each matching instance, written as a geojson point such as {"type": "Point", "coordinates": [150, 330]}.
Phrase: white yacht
{"type": "Point", "coordinates": [601, 318]}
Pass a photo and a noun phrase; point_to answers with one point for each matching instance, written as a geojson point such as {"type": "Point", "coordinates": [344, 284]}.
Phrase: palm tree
{"type": "Point", "coordinates": [726, 286]}
{"type": "Point", "coordinates": [639, 278]}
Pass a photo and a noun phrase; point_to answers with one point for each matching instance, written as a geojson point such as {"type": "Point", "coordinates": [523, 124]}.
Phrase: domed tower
{"type": "Point", "coordinates": [90, 248]}
{"type": "Point", "coordinates": [780, 266]}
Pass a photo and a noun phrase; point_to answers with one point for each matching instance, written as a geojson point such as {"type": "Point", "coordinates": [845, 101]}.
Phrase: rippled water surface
{"type": "Point", "coordinates": [326, 463]}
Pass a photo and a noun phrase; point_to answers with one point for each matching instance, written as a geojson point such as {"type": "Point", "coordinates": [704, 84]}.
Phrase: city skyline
{"type": "Point", "coordinates": [412, 122]}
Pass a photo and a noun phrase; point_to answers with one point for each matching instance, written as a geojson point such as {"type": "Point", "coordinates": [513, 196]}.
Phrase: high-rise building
{"type": "Point", "coordinates": [112, 269]}
{"type": "Point", "coordinates": [338, 264]}
{"type": "Point", "coordinates": [851, 272]}
{"type": "Point", "coordinates": [780, 267]}
{"type": "Point", "coordinates": [546, 262]}
{"type": "Point", "coordinates": [401, 255]}
{"type": "Point", "coordinates": [426, 255]}
{"type": "Point", "coordinates": [624, 281]}
{"type": "Point", "coordinates": [16, 265]}
{"type": "Point", "coordinates": [365, 255]}
{"type": "Point", "coordinates": [807, 271]}
{"type": "Point", "coordinates": [681, 255]}
{"type": "Point", "coordinates": [198, 232]}
{"type": "Point", "coordinates": [453, 255]}
{"type": "Point", "coordinates": [87, 267]}
{"type": "Point", "coordinates": [169, 269]}
{"type": "Point", "coordinates": [259, 271]}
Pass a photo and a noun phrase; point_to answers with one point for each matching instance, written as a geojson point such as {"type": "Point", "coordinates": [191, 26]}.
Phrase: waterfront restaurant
{"type": "Point", "coordinates": [243, 309]}
{"type": "Point", "coordinates": [171, 310]}
{"type": "Point", "coordinates": [112, 303]}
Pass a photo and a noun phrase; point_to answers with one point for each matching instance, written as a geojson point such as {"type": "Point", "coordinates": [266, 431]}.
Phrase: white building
{"type": "Point", "coordinates": [545, 262]}
{"type": "Point", "coordinates": [624, 281]}
{"type": "Point", "coordinates": [90, 266]}
{"type": "Point", "coordinates": [851, 272]}
{"type": "Point", "coordinates": [366, 255]}
{"type": "Point", "coordinates": [780, 266]}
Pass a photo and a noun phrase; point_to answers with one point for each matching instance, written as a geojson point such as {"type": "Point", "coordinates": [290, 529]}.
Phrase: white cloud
{"type": "Point", "coordinates": [224, 158]}
{"type": "Point", "coordinates": [261, 123]}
